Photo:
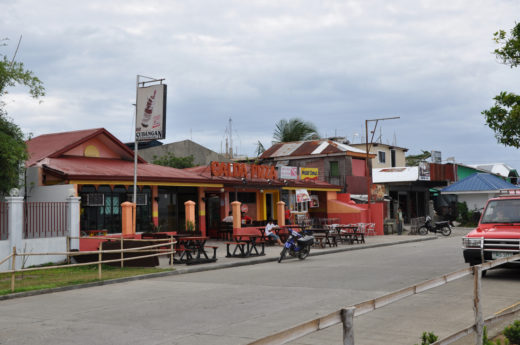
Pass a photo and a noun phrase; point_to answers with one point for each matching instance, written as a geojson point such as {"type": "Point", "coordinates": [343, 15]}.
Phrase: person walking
{"type": "Point", "coordinates": [399, 221]}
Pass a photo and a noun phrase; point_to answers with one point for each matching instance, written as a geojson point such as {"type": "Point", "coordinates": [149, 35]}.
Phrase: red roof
{"type": "Point", "coordinates": [86, 168]}
{"type": "Point", "coordinates": [55, 144]}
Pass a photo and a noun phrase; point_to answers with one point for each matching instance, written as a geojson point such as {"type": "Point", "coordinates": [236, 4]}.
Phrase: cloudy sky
{"type": "Point", "coordinates": [334, 63]}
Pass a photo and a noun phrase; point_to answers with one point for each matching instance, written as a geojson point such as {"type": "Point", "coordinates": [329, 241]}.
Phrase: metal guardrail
{"type": "Point", "coordinates": [345, 315]}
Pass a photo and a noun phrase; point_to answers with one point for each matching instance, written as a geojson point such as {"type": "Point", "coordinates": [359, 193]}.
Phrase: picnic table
{"type": "Point", "coordinates": [191, 250]}
{"type": "Point", "coordinates": [246, 246]}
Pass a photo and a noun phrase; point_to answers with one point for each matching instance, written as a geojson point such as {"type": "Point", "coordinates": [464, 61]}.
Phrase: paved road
{"type": "Point", "coordinates": [238, 305]}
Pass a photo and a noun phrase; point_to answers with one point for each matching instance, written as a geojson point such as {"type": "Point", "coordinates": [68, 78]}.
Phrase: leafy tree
{"type": "Point", "coordinates": [170, 160]}
{"type": "Point", "coordinates": [259, 148]}
{"type": "Point", "coordinates": [504, 117]}
{"type": "Point", "coordinates": [414, 160]}
{"type": "Point", "coordinates": [13, 151]}
{"type": "Point", "coordinates": [294, 130]}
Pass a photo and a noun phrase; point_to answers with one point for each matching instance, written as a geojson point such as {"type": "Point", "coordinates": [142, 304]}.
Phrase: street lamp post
{"type": "Point", "coordinates": [367, 148]}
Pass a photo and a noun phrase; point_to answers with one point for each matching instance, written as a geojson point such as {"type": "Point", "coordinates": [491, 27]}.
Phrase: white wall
{"type": "Point", "coordinates": [475, 201]}
{"type": "Point", "coordinates": [37, 245]}
{"type": "Point", "coordinates": [37, 193]}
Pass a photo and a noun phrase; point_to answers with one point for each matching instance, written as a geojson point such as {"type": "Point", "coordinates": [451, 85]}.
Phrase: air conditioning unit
{"type": "Point", "coordinates": [95, 199]}
{"type": "Point", "coordinates": [141, 198]}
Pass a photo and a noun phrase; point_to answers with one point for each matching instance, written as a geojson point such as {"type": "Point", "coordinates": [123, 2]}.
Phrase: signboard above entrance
{"type": "Point", "coordinates": [288, 173]}
{"type": "Point", "coordinates": [250, 171]}
{"type": "Point", "coordinates": [309, 173]}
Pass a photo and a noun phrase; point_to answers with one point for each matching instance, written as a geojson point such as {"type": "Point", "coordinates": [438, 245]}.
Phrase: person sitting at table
{"type": "Point", "coordinates": [270, 234]}
{"type": "Point", "coordinates": [229, 218]}
{"type": "Point", "coordinates": [246, 219]}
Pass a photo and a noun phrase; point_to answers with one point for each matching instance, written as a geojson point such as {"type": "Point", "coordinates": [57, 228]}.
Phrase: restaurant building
{"type": "Point", "coordinates": [96, 166]}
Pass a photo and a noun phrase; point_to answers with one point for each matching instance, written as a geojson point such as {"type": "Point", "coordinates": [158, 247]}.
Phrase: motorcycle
{"type": "Point", "coordinates": [442, 227]}
{"type": "Point", "coordinates": [297, 245]}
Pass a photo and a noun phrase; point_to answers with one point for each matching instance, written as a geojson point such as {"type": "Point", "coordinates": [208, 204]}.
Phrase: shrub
{"type": "Point", "coordinates": [427, 338]}
{"type": "Point", "coordinates": [512, 332]}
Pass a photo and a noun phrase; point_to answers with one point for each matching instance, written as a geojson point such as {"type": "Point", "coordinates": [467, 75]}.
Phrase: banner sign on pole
{"type": "Point", "coordinates": [151, 113]}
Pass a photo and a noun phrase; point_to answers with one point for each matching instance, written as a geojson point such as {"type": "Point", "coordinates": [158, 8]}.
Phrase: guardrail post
{"type": "Point", "coordinates": [477, 307]}
{"type": "Point", "coordinates": [100, 258]}
{"type": "Point", "coordinates": [171, 250]}
{"type": "Point", "coordinates": [347, 318]}
{"type": "Point", "coordinates": [122, 254]}
{"type": "Point", "coordinates": [68, 249]}
{"type": "Point", "coordinates": [13, 267]}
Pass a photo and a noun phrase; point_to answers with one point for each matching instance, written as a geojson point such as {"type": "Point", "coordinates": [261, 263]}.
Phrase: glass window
{"type": "Point", "coordinates": [382, 156]}
{"type": "Point", "coordinates": [334, 169]}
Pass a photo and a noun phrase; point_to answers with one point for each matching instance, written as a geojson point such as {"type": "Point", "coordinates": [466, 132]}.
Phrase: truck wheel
{"type": "Point", "coordinates": [423, 230]}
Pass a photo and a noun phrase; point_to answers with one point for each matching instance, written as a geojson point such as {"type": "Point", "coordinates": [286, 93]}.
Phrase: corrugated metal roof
{"type": "Point", "coordinates": [307, 148]}
{"type": "Point", "coordinates": [478, 182]}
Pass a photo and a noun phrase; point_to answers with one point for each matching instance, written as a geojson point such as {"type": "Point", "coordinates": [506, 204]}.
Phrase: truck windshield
{"type": "Point", "coordinates": [502, 211]}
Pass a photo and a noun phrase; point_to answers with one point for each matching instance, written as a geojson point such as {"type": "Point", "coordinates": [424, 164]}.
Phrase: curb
{"type": "Point", "coordinates": [197, 269]}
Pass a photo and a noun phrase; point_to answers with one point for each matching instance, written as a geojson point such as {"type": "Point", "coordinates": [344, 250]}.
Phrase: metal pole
{"type": "Point", "coordinates": [136, 146]}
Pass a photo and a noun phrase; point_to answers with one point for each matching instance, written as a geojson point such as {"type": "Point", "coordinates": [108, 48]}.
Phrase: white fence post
{"type": "Point", "coordinates": [15, 221]}
{"type": "Point", "coordinates": [477, 306]}
{"type": "Point", "coordinates": [73, 221]}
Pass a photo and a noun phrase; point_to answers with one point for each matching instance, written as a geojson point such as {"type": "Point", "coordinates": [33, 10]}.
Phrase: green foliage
{"type": "Point", "coordinates": [512, 332]}
{"type": "Point", "coordinates": [428, 338]}
{"type": "Point", "coordinates": [259, 148]}
{"type": "Point", "coordinates": [503, 118]}
{"type": "Point", "coordinates": [190, 226]}
{"type": "Point", "coordinates": [170, 160]}
{"type": "Point", "coordinates": [414, 160]}
{"type": "Point", "coordinates": [13, 151]}
{"type": "Point", "coordinates": [294, 130]}
{"type": "Point", "coordinates": [509, 52]}
{"type": "Point", "coordinates": [466, 217]}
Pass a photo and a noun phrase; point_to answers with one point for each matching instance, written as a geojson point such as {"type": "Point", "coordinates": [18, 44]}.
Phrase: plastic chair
{"type": "Point", "coordinates": [370, 229]}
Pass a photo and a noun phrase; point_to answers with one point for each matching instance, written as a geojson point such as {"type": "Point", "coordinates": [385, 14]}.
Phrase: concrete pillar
{"type": "Point", "coordinates": [128, 218]}
{"type": "Point", "coordinates": [237, 216]}
{"type": "Point", "coordinates": [189, 207]}
{"type": "Point", "coordinates": [280, 209]}
{"type": "Point", "coordinates": [73, 214]}
{"type": "Point", "coordinates": [15, 221]}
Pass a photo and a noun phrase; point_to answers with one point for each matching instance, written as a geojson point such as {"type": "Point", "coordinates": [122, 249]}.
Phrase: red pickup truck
{"type": "Point", "coordinates": [498, 232]}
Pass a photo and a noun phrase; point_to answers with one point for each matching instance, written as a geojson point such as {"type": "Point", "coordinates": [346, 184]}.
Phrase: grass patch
{"type": "Point", "coordinates": [66, 276]}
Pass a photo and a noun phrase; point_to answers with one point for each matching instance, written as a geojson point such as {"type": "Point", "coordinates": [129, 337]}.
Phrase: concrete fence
{"type": "Point", "coordinates": [13, 212]}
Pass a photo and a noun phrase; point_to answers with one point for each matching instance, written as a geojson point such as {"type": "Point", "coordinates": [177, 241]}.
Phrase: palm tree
{"type": "Point", "coordinates": [294, 130]}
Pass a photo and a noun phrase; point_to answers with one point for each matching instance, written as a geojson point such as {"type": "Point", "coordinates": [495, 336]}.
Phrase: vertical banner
{"type": "Point", "coordinates": [151, 113]}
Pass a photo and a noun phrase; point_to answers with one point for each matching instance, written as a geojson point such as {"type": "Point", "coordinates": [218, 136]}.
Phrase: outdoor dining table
{"type": "Point", "coordinates": [324, 237]}
{"type": "Point", "coordinates": [191, 249]}
{"type": "Point", "coordinates": [350, 233]}
{"type": "Point", "coordinates": [246, 246]}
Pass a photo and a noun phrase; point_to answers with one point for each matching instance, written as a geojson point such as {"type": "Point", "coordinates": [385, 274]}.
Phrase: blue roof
{"type": "Point", "coordinates": [479, 182]}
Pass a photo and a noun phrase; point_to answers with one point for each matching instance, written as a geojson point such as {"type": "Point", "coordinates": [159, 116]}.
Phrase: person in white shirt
{"type": "Point", "coordinates": [229, 218]}
{"type": "Point", "coordinates": [270, 234]}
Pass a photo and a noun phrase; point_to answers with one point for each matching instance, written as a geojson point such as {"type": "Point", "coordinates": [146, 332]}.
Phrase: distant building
{"type": "Point", "coordinates": [185, 148]}
{"type": "Point", "coordinates": [336, 163]}
{"type": "Point", "coordinates": [385, 156]}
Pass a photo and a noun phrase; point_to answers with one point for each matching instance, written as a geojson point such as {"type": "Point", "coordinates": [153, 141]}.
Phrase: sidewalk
{"type": "Point", "coordinates": [272, 253]}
